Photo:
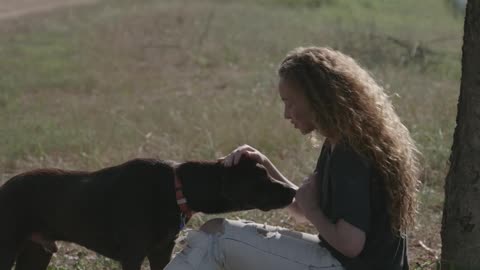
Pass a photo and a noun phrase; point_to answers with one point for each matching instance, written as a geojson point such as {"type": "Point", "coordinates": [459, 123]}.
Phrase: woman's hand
{"type": "Point", "coordinates": [294, 211]}
{"type": "Point", "coordinates": [245, 150]}
{"type": "Point", "coordinates": [306, 196]}
{"type": "Point", "coordinates": [248, 151]}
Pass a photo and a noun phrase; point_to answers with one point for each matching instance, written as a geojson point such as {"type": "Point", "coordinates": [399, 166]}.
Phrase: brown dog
{"type": "Point", "coordinates": [127, 212]}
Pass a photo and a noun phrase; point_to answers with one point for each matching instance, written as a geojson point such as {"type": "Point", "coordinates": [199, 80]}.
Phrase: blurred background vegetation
{"type": "Point", "coordinates": [91, 86]}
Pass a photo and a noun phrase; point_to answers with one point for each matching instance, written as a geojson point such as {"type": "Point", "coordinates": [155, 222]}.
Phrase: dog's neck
{"type": "Point", "coordinates": [202, 186]}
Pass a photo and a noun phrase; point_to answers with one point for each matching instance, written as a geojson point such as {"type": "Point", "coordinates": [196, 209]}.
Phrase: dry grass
{"type": "Point", "coordinates": [94, 86]}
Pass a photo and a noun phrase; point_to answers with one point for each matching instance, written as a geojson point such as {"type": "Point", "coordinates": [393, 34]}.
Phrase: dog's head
{"type": "Point", "coordinates": [247, 185]}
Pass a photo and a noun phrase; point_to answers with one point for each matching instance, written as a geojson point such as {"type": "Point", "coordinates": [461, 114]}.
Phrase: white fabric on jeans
{"type": "Point", "coordinates": [252, 246]}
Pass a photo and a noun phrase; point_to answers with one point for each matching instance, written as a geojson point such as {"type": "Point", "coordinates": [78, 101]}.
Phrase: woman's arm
{"type": "Point", "coordinates": [344, 237]}
{"type": "Point", "coordinates": [276, 174]}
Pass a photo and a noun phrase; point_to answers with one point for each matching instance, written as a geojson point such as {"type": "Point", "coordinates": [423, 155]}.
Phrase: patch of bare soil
{"type": "Point", "coordinates": [10, 9]}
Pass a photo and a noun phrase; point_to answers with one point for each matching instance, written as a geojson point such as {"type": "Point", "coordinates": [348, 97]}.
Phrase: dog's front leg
{"type": "Point", "coordinates": [8, 252]}
{"type": "Point", "coordinates": [160, 256]}
{"type": "Point", "coordinates": [132, 264]}
{"type": "Point", "coordinates": [33, 256]}
{"type": "Point", "coordinates": [7, 259]}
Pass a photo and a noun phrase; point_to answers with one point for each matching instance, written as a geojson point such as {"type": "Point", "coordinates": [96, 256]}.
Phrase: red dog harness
{"type": "Point", "coordinates": [185, 212]}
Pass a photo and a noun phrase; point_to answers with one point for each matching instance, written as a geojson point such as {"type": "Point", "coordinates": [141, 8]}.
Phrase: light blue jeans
{"type": "Point", "coordinates": [245, 245]}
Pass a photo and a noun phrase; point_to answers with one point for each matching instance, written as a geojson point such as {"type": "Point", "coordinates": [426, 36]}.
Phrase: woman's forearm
{"type": "Point", "coordinates": [323, 225]}
{"type": "Point", "coordinates": [276, 174]}
{"type": "Point", "coordinates": [342, 236]}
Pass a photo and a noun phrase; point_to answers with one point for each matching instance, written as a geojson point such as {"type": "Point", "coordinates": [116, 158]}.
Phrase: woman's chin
{"type": "Point", "coordinates": [305, 131]}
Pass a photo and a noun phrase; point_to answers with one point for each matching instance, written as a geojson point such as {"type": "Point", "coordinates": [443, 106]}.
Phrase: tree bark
{"type": "Point", "coordinates": [461, 214]}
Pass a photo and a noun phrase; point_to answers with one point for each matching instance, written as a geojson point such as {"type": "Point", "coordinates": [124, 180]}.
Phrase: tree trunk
{"type": "Point", "coordinates": [461, 214]}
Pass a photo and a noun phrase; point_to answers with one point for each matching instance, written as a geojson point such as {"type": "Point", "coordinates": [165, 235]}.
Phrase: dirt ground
{"type": "Point", "coordinates": [10, 9]}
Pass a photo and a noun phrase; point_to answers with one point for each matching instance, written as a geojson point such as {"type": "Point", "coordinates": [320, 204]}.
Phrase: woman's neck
{"type": "Point", "coordinates": [331, 143]}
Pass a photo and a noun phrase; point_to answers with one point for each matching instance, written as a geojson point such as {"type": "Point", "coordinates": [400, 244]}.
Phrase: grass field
{"type": "Point", "coordinates": [93, 86]}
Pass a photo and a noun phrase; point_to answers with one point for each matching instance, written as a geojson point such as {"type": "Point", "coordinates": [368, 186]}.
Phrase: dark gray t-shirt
{"type": "Point", "coordinates": [348, 191]}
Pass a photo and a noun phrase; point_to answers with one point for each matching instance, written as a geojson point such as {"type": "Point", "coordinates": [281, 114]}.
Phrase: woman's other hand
{"type": "Point", "coordinates": [296, 212]}
{"type": "Point", "coordinates": [306, 196]}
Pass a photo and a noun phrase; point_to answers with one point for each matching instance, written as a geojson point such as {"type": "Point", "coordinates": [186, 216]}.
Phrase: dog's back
{"type": "Point", "coordinates": [30, 198]}
{"type": "Point", "coordinates": [88, 208]}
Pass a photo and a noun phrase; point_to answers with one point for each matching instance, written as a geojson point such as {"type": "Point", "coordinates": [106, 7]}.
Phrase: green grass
{"type": "Point", "coordinates": [181, 80]}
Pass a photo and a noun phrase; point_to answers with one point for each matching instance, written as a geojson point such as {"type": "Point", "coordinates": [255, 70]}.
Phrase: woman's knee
{"type": "Point", "coordinates": [213, 226]}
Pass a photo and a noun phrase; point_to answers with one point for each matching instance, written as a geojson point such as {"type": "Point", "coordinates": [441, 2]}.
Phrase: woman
{"type": "Point", "coordinates": [361, 196]}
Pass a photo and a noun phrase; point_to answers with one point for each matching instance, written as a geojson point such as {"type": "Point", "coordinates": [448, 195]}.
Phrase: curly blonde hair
{"type": "Point", "coordinates": [349, 105]}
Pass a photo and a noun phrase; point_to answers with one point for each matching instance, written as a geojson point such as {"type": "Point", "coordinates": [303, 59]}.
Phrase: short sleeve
{"type": "Point", "coordinates": [350, 175]}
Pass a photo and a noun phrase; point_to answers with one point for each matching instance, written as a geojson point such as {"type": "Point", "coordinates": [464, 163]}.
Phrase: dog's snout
{"type": "Point", "coordinates": [290, 195]}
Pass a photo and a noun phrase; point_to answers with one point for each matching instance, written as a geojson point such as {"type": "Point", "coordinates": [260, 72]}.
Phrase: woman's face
{"type": "Point", "coordinates": [297, 108]}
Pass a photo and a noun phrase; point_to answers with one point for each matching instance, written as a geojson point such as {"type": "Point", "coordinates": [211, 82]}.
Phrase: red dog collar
{"type": "Point", "coordinates": [186, 212]}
